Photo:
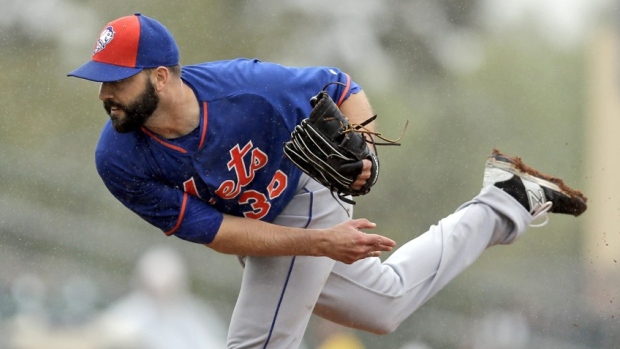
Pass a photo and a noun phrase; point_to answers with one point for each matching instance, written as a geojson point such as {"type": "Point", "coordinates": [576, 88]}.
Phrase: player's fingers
{"type": "Point", "coordinates": [366, 169]}
{"type": "Point", "coordinates": [380, 243]}
{"type": "Point", "coordinates": [363, 176]}
{"type": "Point", "coordinates": [366, 165]}
{"type": "Point", "coordinates": [358, 184]}
{"type": "Point", "coordinates": [363, 223]}
{"type": "Point", "coordinates": [374, 254]}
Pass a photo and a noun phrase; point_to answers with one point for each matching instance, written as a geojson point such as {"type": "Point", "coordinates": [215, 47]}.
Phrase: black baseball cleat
{"type": "Point", "coordinates": [537, 192]}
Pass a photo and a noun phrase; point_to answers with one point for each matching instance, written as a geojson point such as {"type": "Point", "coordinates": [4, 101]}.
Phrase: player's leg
{"type": "Point", "coordinates": [278, 294]}
{"type": "Point", "coordinates": [272, 309]}
{"type": "Point", "coordinates": [377, 297]}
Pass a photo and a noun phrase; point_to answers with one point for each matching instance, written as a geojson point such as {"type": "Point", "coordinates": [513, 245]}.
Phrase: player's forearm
{"type": "Point", "coordinates": [344, 242]}
{"type": "Point", "coordinates": [242, 236]}
{"type": "Point", "coordinates": [357, 109]}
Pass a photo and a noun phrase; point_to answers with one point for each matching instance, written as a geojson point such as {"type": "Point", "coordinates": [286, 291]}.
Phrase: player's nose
{"type": "Point", "coordinates": [105, 91]}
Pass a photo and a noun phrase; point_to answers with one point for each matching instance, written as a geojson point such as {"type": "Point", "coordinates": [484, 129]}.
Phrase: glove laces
{"type": "Point", "coordinates": [367, 133]}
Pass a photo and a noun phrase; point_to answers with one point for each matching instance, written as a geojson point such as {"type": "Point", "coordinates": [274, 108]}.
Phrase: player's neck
{"type": "Point", "coordinates": [178, 113]}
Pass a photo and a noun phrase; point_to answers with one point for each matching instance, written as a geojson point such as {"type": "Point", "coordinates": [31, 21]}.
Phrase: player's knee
{"type": "Point", "coordinates": [383, 331]}
{"type": "Point", "coordinates": [384, 327]}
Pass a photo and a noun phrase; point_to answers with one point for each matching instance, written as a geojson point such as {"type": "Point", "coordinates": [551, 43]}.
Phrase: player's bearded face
{"type": "Point", "coordinates": [136, 112]}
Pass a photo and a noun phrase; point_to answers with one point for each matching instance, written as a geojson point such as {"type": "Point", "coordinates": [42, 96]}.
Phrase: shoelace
{"type": "Point", "coordinates": [540, 211]}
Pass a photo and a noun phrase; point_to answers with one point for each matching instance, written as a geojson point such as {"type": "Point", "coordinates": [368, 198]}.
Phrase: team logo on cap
{"type": "Point", "coordinates": [104, 39]}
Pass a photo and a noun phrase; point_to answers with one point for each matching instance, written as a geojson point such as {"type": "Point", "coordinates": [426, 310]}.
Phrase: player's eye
{"type": "Point", "coordinates": [118, 85]}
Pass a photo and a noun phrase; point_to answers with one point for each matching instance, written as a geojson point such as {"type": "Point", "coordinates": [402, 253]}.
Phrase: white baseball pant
{"type": "Point", "coordinates": [278, 294]}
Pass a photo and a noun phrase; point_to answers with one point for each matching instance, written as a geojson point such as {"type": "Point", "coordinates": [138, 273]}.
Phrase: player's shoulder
{"type": "Point", "coordinates": [117, 147]}
{"type": "Point", "coordinates": [229, 66]}
{"type": "Point", "coordinates": [251, 68]}
{"type": "Point", "coordinates": [220, 71]}
{"type": "Point", "coordinates": [222, 79]}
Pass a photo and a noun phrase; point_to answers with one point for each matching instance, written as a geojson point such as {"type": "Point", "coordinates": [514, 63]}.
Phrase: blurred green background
{"type": "Point", "coordinates": [469, 76]}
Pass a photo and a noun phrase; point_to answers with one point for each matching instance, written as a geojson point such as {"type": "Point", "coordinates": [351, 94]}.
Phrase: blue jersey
{"type": "Point", "coordinates": [233, 162]}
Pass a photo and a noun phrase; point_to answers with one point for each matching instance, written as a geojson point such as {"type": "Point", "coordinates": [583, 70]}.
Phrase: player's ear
{"type": "Point", "coordinates": [161, 76]}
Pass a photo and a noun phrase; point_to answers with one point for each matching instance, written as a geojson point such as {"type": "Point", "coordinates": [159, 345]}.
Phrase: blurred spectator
{"type": "Point", "coordinates": [503, 330]}
{"type": "Point", "coordinates": [161, 313]}
{"type": "Point", "coordinates": [335, 336]}
{"type": "Point", "coordinates": [415, 345]}
{"type": "Point", "coordinates": [29, 326]}
{"type": "Point", "coordinates": [78, 297]}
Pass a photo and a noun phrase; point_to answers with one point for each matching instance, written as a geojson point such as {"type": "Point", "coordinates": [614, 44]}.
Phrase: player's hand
{"type": "Point", "coordinates": [347, 243]}
{"type": "Point", "coordinates": [364, 176]}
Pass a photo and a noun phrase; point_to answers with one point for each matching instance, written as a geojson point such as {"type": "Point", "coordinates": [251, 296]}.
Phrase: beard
{"type": "Point", "coordinates": [136, 113]}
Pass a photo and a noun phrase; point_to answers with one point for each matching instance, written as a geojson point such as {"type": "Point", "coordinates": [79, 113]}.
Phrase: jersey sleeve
{"type": "Point", "coordinates": [290, 88]}
{"type": "Point", "coordinates": [128, 175]}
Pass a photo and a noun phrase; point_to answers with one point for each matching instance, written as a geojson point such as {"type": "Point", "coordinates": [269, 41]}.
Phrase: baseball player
{"type": "Point", "coordinates": [198, 152]}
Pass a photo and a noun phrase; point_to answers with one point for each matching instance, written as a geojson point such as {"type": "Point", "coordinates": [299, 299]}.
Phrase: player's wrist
{"type": "Point", "coordinates": [318, 242]}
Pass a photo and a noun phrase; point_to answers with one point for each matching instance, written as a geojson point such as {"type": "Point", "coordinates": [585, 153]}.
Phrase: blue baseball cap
{"type": "Point", "coordinates": [126, 46]}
